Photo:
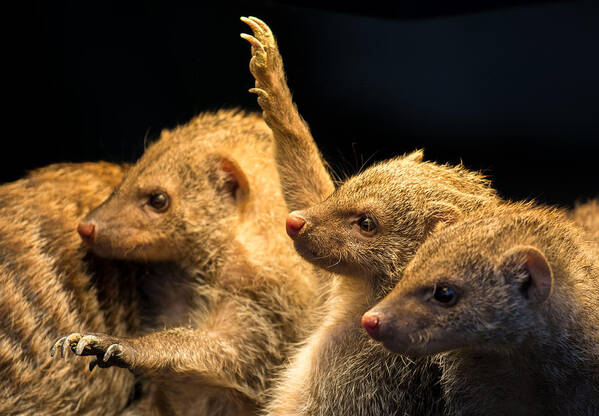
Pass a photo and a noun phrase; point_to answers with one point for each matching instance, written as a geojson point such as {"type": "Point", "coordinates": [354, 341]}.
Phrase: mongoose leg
{"type": "Point", "coordinates": [266, 65]}
{"type": "Point", "coordinates": [304, 176]}
{"type": "Point", "coordinates": [225, 359]}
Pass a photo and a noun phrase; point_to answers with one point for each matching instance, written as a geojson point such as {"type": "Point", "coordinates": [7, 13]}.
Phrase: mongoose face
{"type": "Point", "coordinates": [354, 231]}
{"type": "Point", "coordinates": [168, 203]}
{"type": "Point", "coordinates": [463, 290]}
{"type": "Point", "coordinates": [373, 223]}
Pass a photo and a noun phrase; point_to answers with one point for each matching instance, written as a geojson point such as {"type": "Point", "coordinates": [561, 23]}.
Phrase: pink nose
{"type": "Point", "coordinates": [370, 322]}
{"type": "Point", "coordinates": [87, 232]}
{"type": "Point", "coordinates": [293, 225]}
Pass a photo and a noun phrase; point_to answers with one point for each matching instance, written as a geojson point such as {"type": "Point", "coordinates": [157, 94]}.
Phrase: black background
{"type": "Point", "coordinates": [508, 87]}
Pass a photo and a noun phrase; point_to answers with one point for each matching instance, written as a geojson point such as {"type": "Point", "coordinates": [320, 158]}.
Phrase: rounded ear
{"type": "Point", "coordinates": [229, 177]}
{"type": "Point", "coordinates": [538, 282]}
{"type": "Point", "coordinates": [440, 214]}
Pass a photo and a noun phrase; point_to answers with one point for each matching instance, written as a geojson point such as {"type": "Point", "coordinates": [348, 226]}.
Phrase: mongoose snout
{"type": "Point", "coordinates": [370, 322]}
{"type": "Point", "coordinates": [394, 331]}
{"type": "Point", "coordinates": [87, 231]}
{"type": "Point", "coordinates": [294, 224]}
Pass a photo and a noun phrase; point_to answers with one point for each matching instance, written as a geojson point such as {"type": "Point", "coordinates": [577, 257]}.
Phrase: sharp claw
{"type": "Point", "coordinates": [56, 345]}
{"type": "Point", "coordinates": [112, 350]}
{"type": "Point", "coordinates": [253, 41]}
{"type": "Point", "coordinates": [253, 25]}
{"type": "Point", "coordinates": [259, 91]}
{"type": "Point", "coordinates": [65, 346]}
{"type": "Point", "coordinates": [260, 23]}
{"type": "Point", "coordinates": [67, 343]}
{"type": "Point", "coordinates": [84, 342]}
{"type": "Point", "coordinates": [244, 19]}
{"type": "Point", "coordinates": [93, 365]}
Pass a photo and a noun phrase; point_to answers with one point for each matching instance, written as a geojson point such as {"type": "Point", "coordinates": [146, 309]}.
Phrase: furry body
{"type": "Point", "coordinates": [522, 337]}
{"type": "Point", "coordinates": [340, 370]}
{"type": "Point", "coordinates": [225, 310]}
{"type": "Point", "coordinates": [49, 284]}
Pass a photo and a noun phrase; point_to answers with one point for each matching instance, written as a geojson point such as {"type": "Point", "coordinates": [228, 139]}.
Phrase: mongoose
{"type": "Point", "coordinates": [508, 299]}
{"type": "Point", "coordinates": [203, 209]}
{"type": "Point", "coordinates": [365, 231]}
{"type": "Point", "coordinates": [49, 284]}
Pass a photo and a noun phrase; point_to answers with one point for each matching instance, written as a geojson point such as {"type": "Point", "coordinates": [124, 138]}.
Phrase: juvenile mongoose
{"type": "Point", "coordinates": [49, 284]}
{"type": "Point", "coordinates": [365, 231]}
{"type": "Point", "coordinates": [509, 299]}
{"type": "Point", "coordinates": [205, 214]}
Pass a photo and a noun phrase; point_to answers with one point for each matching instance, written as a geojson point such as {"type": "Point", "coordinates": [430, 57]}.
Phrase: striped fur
{"type": "Point", "coordinates": [49, 285]}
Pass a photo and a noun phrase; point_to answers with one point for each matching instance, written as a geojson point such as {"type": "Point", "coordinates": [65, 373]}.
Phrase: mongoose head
{"type": "Point", "coordinates": [469, 286]}
{"type": "Point", "coordinates": [183, 194]}
{"type": "Point", "coordinates": [373, 223]}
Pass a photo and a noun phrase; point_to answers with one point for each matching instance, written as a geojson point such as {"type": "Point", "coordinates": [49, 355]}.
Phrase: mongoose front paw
{"type": "Point", "coordinates": [110, 351]}
{"type": "Point", "coordinates": [266, 64]}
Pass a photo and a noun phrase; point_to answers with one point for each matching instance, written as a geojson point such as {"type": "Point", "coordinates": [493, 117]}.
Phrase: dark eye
{"type": "Point", "coordinates": [159, 201]}
{"type": "Point", "coordinates": [445, 295]}
{"type": "Point", "coordinates": [367, 224]}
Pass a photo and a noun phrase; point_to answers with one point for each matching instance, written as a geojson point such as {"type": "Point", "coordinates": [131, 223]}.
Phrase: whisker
{"type": "Point", "coordinates": [338, 261]}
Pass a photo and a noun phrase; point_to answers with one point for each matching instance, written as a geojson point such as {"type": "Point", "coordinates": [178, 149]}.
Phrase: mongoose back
{"type": "Point", "coordinates": [509, 299]}
{"type": "Point", "coordinates": [49, 284]}
{"type": "Point", "coordinates": [203, 210]}
{"type": "Point", "coordinates": [365, 231]}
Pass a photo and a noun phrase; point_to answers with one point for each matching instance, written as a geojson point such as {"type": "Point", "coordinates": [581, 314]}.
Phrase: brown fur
{"type": "Point", "coordinates": [340, 371]}
{"type": "Point", "coordinates": [522, 335]}
{"type": "Point", "coordinates": [587, 216]}
{"type": "Point", "coordinates": [230, 296]}
{"type": "Point", "coordinates": [49, 285]}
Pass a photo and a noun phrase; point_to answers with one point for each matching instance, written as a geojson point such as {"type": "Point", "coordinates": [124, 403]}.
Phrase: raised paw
{"type": "Point", "coordinates": [109, 351]}
{"type": "Point", "coordinates": [266, 64]}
